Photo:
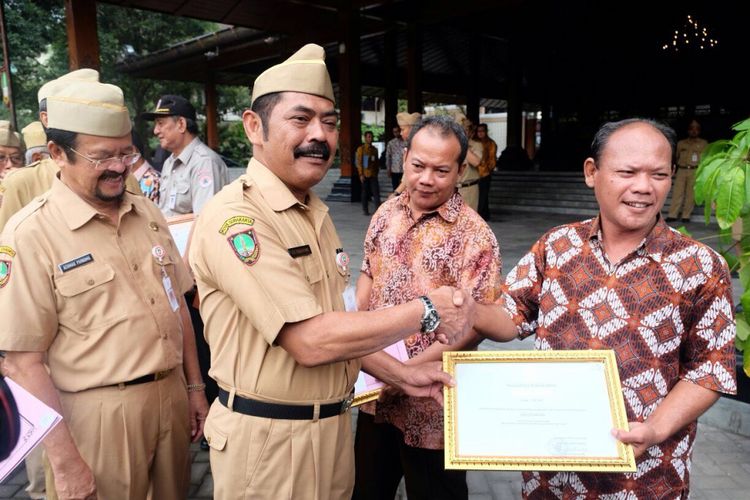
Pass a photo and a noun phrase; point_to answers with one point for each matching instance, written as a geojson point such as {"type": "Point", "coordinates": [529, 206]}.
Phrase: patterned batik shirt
{"type": "Point", "coordinates": [407, 258]}
{"type": "Point", "coordinates": [665, 309]}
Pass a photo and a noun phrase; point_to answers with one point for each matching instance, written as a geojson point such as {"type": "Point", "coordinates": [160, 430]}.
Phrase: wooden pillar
{"type": "Point", "coordinates": [83, 41]}
{"type": "Point", "coordinates": [414, 68]}
{"type": "Point", "coordinates": [515, 97]}
{"type": "Point", "coordinates": [391, 86]}
{"type": "Point", "coordinates": [350, 94]}
{"type": "Point", "coordinates": [212, 128]}
{"type": "Point", "coordinates": [473, 80]}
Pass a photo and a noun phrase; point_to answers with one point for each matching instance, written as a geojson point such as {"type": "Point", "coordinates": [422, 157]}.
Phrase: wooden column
{"type": "Point", "coordinates": [391, 86]}
{"type": "Point", "coordinates": [473, 80]}
{"type": "Point", "coordinates": [515, 97]}
{"type": "Point", "coordinates": [350, 94]}
{"type": "Point", "coordinates": [212, 128]}
{"type": "Point", "coordinates": [83, 41]}
{"type": "Point", "coordinates": [414, 68]}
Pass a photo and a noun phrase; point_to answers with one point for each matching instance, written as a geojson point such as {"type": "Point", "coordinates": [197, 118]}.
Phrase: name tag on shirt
{"type": "Point", "coordinates": [300, 251]}
{"type": "Point", "coordinates": [172, 202]}
{"type": "Point", "coordinates": [170, 292]}
{"type": "Point", "coordinates": [77, 262]}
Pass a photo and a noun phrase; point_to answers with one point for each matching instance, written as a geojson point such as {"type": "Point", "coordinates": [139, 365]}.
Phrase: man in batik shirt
{"type": "Point", "coordinates": [626, 281]}
{"type": "Point", "coordinates": [425, 238]}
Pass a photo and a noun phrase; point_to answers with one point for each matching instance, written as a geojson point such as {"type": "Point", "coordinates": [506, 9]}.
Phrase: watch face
{"type": "Point", "coordinates": [431, 322]}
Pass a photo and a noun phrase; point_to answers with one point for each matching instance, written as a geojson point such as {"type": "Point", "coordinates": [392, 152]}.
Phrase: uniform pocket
{"type": "Point", "coordinates": [88, 298]}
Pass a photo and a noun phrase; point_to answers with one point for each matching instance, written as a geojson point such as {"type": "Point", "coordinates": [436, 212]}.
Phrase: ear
{"type": "Point", "coordinates": [253, 126]}
{"type": "Point", "coordinates": [462, 168]}
{"type": "Point", "coordinates": [57, 154]}
{"type": "Point", "coordinates": [43, 118]}
{"type": "Point", "coordinates": [590, 171]}
{"type": "Point", "coordinates": [181, 124]}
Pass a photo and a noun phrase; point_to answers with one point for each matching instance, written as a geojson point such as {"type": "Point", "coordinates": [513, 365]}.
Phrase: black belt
{"type": "Point", "coordinates": [151, 377]}
{"type": "Point", "coordinates": [468, 183]}
{"type": "Point", "coordinates": [687, 167]}
{"type": "Point", "coordinates": [263, 409]}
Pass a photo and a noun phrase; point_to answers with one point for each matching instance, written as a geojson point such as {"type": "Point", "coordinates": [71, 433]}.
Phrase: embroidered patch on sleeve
{"type": "Point", "coordinates": [6, 254]}
{"type": "Point", "coordinates": [245, 246]}
{"type": "Point", "coordinates": [205, 181]}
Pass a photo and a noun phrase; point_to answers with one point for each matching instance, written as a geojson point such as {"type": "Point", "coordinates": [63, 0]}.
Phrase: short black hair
{"type": "Point", "coordinates": [601, 138]}
{"type": "Point", "coordinates": [263, 107]}
{"type": "Point", "coordinates": [445, 126]}
{"type": "Point", "coordinates": [136, 139]}
{"type": "Point", "coordinates": [369, 132]}
{"type": "Point", "coordinates": [65, 139]}
{"type": "Point", "coordinates": [190, 125]}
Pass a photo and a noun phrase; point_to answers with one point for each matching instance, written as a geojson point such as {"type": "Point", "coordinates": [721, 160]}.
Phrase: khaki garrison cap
{"type": "Point", "coordinates": [9, 137]}
{"type": "Point", "coordinates": [79, 75]}
{"type": "Point", "coordinates": [34, 135]}
{"type": "Point", "coordinates": [305, 71]}
{"type": "Point", "coordinates": [405, 119]}
{"type": "Point", "coordinates": [91, 108]}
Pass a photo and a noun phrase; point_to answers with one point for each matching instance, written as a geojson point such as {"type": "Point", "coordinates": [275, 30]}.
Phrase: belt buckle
{"type": "Point", "coordinates": [347, 403]}
{"type": "Point", "coordinates": [161, 375]}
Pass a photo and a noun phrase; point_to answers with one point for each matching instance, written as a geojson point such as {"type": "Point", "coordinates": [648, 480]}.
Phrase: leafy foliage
{"type": "Point", "coordinates": [723, 183]}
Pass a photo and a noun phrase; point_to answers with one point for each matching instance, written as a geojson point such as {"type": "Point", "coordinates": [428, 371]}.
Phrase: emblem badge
{"type": "Point", "coordinates": [4, 272]}
{"type": "Point", "coordinates": [158, 252]}
{"type": "Point", "coordinates": [245, 246]}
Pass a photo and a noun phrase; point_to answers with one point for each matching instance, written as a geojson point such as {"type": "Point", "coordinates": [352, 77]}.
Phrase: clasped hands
{"type": "Point", "coordinates": [456, 308]}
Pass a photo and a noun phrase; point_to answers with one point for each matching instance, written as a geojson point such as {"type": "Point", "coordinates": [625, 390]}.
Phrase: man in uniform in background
{"type": "Point", "coordinates": [36, 142]}
{"type": "Point", "coordinates": [271, 274]}
{"type": "Point", "coordinates": [193, 173]}
{"type": "Point", "coordinates": [688, 156]}
{"type": "Point", "coordinates": [11, 149]}
{"type": "Point", "coordinates": [80, 264]}
{"type": "Point", "coordinates": [27, 183]}
{"type": "Point", "coordinates": [366, 159]}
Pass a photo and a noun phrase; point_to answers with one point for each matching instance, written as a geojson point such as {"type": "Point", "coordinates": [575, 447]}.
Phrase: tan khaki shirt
{"type": "Point", "coordinates": [89, 293]}
{"type": "Point", "coordinates": [262, 259]}
{"type": "Point", "coordinates": [25, 184]}
{"type": "Point", "coordinates": [689, 151]}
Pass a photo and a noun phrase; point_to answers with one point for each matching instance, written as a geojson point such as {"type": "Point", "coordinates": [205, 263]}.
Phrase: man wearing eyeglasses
{"type": "Point", "coordinates": [11, 149]}
{"type": "Point", "coordinates": [92, 283]}
{"type": "Point", "coordinates": [27, 183]}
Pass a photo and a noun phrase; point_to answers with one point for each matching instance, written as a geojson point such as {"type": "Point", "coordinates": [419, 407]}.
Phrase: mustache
{"type": "Point", "coordinates": [314, 149]}
{"type": "Point", "coordinates": [109, 174]}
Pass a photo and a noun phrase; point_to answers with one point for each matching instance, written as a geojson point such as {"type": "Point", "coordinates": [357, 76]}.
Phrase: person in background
{"type": "Point", "coordinates": [11, 149]}
{"type": "Point", "coordinates": [486, 167]}
{"type": "Point", "coordinates": [394, 157]}
{"type": "Point", "coordinates": [147, 176]}
{"type": "Point", "coordinates": [687, 157]}
{"type": "Point", "coordinates": [36, 142]}
{"type": "Point", "coordinates": [368, 168]}
{"type": "Point", "coordinates": [468, 183]}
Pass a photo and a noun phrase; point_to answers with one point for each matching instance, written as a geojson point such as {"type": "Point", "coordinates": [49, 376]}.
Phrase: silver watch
{"type": "Point", "coordinates": [430, 318]}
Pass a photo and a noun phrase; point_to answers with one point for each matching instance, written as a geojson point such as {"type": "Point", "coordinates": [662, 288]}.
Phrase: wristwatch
{"type": "Point", "coordinates": [430, 318]}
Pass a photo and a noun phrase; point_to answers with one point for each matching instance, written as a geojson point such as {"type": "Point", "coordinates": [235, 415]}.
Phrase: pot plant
{"type": "Point", "coordinates": [723, 184]}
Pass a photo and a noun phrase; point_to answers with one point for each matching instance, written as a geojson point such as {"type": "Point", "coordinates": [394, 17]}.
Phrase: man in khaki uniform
{"type": "Point", "coordinates": [35, 139]}
{"type": "Point", "coordinates": [271, 274]}
{"type": "Point", "coordinates": [25, 184]}
{"type": "Point", "coordinates": [11, 149]}
{"type": "Point", "coordinates": [79, 264]}
{"type": "Point", "coordinates": [688, 155]}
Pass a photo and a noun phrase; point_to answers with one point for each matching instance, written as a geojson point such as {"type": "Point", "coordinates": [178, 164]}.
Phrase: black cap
{"type": "Point", "coordinates": [171, 105]}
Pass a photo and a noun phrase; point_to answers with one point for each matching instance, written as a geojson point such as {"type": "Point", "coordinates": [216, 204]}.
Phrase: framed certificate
{"type": "Point", "coordinates": [181, 227]}
{"type": "Point", "coordinates": [367, 388]}
{"type": "Point", "coordinates": [535, 410]}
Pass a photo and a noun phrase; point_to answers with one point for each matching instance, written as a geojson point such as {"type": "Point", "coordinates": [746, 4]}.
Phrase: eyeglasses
{"type": "Point", "coordinates": [14, 159]}
{"type": "Point", "coordinates": [107, 163]}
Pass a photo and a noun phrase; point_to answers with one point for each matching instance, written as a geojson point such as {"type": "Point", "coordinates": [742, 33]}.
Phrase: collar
{"type": "Point", "coordinates": [138, 174]}
{"type": "Point", "coordinates": [652, 245]}
{"type": "Point", "coordinates": [74, 209]}
{"type": "Point", "coordinates": [276, 193]}
{"type": "Point", "coordinates": [186, 153]}
{"type": "Point", "coordinates": [449, 210]}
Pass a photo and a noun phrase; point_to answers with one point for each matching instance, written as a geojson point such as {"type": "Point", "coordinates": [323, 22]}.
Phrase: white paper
{"type": "Point", "coordinates": [366, 382]}
{"type": "Point", "coordinates": [548, 409]}
{"type": "Point", "coordinates": [37, 419]}
{"type": "Point", "coordinates": [181, 233]}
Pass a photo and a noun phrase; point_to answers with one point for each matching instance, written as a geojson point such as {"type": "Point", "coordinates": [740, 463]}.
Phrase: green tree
{"type": "Point", "coordinates": [723, 183]}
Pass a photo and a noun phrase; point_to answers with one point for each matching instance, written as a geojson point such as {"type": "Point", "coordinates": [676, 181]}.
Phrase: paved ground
{"type": "Point", "coordinates": [721, 461]}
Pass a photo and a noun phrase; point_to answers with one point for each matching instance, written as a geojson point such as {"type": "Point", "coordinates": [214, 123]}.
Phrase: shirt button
{"type": "Point", "coordinates": [307, 278]}
{"type": "Point", "coordinates": [135, 267]}
{"type": "Point", "coordinates": [90, 282]}
{"type": "Point", "coordinates": [152, 300]}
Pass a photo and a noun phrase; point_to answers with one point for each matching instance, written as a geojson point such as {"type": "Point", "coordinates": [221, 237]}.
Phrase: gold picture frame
{"type": "Point", "coordinates": [525, 404]}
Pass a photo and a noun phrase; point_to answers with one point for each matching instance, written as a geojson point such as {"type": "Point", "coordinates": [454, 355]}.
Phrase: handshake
{"type": "Point", "coordinates": [456, 309]}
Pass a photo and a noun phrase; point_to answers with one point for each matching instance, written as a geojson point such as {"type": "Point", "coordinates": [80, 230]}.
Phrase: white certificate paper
{"type": "Point", "coordinates": [524, 410]}
{"type": "Point", "coordinates": [36, 418]}
{"type": "Point", "coordinates": [181, 227]}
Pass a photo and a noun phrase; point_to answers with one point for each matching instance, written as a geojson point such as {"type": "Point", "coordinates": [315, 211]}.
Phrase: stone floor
{"type": "Point", "coordinates": [721, 461]}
